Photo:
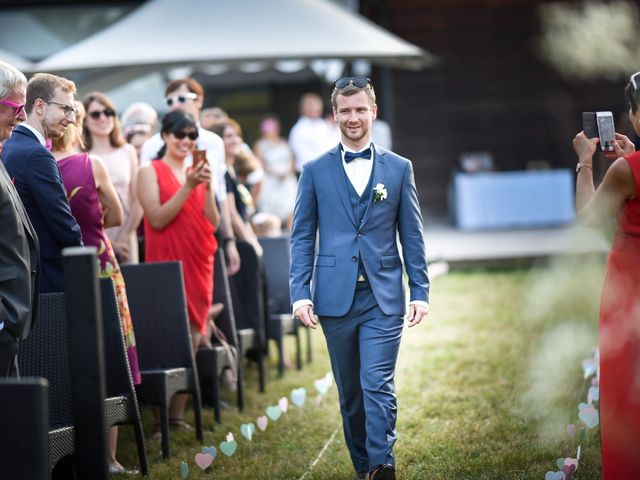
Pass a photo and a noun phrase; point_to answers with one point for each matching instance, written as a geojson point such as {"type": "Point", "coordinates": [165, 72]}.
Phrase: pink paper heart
{"type": "Point", "coordinates": [283, 403]}
{"type": "Point", "coordinates": [204, 460]}
{"type": "Point", "coordinates": [571, 461]}
{"type": "Point", "coordinates": [262, 423]}
{"type": "Point", "coordinates": [568, 471]}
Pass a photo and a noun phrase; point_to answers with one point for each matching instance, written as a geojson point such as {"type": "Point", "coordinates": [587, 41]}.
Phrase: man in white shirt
{"type": "Point", "coordinates": [188, 95]}
{"type": "Point", "coordinates": [312, 135]}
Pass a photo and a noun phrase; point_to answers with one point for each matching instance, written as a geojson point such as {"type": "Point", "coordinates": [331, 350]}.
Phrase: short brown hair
{"type": "Point", "coordinates": [351, 89]}
{"type": "Point", "coordinates": [218, 128]}
{"type": "Point", "coordinates": [43, 85]}
{"type": "Point", "coordinates": [192, 84]}
{"type": "Point", "coordinates": [116, 139]}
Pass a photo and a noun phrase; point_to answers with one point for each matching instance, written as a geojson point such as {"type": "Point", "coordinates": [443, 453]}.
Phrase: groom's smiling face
{"type": "Point", "coordinates": [354, 114]}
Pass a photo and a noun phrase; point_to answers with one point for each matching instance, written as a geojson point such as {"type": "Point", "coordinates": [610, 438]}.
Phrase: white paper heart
{"type": "Point", "coordinates": [283, 403]}
{"type": "Point", "coordinates": [262, 423]}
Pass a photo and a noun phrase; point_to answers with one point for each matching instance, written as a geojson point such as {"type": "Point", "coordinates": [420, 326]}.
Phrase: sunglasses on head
{"type": "Point", "coordinates": [96, 114]}
{"type": "Point", "coordinates": [182, 98]}
{"type": "Point", "coordinates": [17, 107]}
{"type": "Point", "coordinates": [193, 134]}
{"type": "Point", "coordinates": [359, 82]}
{"type": "Point", "coordinates": [635, 79]}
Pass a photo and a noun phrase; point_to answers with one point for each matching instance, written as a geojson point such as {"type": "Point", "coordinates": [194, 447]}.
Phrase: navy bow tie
{"type": "Point", "coordinates": [366, 154]}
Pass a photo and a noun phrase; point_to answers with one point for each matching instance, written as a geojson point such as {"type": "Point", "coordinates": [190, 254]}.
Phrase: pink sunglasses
{"type": "Point", "coordinates": [17, 107]}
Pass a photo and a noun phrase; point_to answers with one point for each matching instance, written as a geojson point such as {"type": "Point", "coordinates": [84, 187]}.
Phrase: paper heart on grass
{"type": "Point", "coordinates": [203, 460]}
{"type": "Point", "coordinates": [274, 412]}
{"type": "Point", "coordinates": [555, 476]}
{"type": "Point", "coordinates": [593, 394]}
{"type": "Point", "coordinates": [184, 469]}
{"type": "Point", "coordinates": [560, 463]}
{"type": "Point", "coordinates": [283, 403]}
{"type": "Point", "coordinates": [571, 461]}
{"type": "Point", "coordinates": [298, 396]}
{"type": "Point", "coordinates": [247, 430]}
{"type": "Point", "coordinates": [230, 437]}
{"type": "Point", "coordinates": [588, 414]}
{"type": "Point", "coordinates": [210, 450]}
{"type": "Point", "coordinates": [229, 448]}
{"type": "Point", "coordinates": [589, 367]}
{"type": "Point", "coordinates": [322, 386]}
{"type": "Point", "coordinates": [262, 423]}
{"type": "Point", "coordinates": [568, 471]}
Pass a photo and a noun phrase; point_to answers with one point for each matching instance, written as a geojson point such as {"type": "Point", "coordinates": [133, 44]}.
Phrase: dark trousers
{"type": "Point", "coordinates": [8, 352]}
{"type": "Point", "coordinates": [363, 347]}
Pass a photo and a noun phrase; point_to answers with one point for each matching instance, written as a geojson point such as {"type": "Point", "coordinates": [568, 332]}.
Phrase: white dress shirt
{"type": "Point", "coordinates": [36, 133]}
{"type": "Point", "coordinates": [358, 171]}
{"type": "Point", "coordinates": [208, 141]}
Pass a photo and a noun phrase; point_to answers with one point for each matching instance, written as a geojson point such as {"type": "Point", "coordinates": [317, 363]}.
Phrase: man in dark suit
{"type": "Point", "coordinates": [359, 198]}
{"type": "Point", "coordinates": [19, 252]}
{"type": "Point", "coordinates": [35, 174]}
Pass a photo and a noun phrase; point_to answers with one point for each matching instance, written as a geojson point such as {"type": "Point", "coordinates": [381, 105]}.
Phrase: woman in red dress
{"type": "Point", "coordinates": [617, 197]}
{"type": "Point", "coordinates": [180, 217]}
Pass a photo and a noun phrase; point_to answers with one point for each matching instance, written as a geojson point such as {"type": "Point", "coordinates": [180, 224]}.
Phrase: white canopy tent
{"type": "Point", "coordinates": [170, 33]}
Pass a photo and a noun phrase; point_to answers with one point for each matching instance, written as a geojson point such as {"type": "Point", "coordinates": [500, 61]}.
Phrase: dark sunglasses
{"type": "Point", "coordinates": [193, 134]}
{"type": "Point", "coordinates": [359, 82]}
{"type": "Point", "coordinates": [635, 79]}
{"type": "Point", "coordinates": [96, 114]}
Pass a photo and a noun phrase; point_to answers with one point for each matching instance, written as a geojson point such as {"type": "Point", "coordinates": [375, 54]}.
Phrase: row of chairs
{"type": "Point", "coordinates": [256, 309]}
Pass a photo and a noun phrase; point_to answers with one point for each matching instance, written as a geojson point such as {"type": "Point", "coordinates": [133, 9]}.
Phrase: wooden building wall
{"type": "Point", "coordinates": [489, 91]}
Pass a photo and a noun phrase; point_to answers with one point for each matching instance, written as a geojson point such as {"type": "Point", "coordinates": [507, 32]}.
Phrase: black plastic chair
{"type": "Point", "coordinates": [165, 355]}
{"type": "Point", "coordinates": [119, 383]}
{"type": "Point", "coordinates": [277, 259]}
{"type": "Point", "coordinates": [248, 305]}
{"type": "Point", "coordinates": [211, 363]}
{"type": "Point", "coordinates": [25, 426]}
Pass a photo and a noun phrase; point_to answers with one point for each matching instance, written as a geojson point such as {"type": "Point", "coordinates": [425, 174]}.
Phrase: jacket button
{"type": "Point", "coordinates": [359, 234]}
{"type": "Point", "coordinates": [354, 259]}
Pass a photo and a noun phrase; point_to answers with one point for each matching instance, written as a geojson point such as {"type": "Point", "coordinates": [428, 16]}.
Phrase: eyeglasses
{"type": "Point", "coordinates": [17, 107]}
{"type": "Point", "coordinates": [633, 80]}
{"type": "Point", "coordinates": [193, 134]}
{"type": "Point", "coordinates": [359, 82]}
{"type": "Point", "coordinates": [182, 98]}
{"type": "Point", "coordinates": [69, 112]}
{"type": "Point", "coordinates": [96, 114]}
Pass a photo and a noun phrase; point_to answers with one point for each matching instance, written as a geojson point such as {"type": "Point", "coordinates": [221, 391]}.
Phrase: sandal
{"type": "Point", "coordinates": [179, 424]}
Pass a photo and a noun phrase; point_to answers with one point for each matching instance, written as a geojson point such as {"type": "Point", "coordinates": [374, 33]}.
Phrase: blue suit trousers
{"type": "Point", "coordinates": [363, 348]}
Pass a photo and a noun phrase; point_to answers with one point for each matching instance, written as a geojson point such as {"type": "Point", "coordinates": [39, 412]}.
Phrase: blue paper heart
{"type": "Point", "coordinates": [210, 450]}
{"type": "Point", "coordinates": [588, 414]}
{"type": "Point", "coordinates": [274, 412]}
{"type": "Point", "coordinates": [247, 430]}
{"type": "Point", "coordinates": [555, 476]}
{"type": "Point", "coordinates": [298, 396]}
{"type": "Point", "coordinates": [229, 448]}
{"type": "Point", "coordinates": [184, 469]}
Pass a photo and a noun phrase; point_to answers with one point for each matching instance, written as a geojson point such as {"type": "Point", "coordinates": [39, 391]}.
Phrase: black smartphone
{"type": "Point", "coordinates": [589, 125]}
{"type": "Point", "coordinates": [606, 130]}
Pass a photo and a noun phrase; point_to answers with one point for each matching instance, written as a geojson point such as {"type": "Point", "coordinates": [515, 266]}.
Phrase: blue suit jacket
{"type": "Point", "coordinates": [37, 179]}
{"type": "Point", "coordinates": [323, 210]}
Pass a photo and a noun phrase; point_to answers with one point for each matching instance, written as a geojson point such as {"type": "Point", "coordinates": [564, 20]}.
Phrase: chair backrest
{"type": "Point", "coordinates": [24, 451]}
{"type": "Point", "coordinates": [277, 259]}
{"type": "Point", "coordinates": [158, 308]}
{"type": "Point", "coordinates": [118, 379]}
{"type": "Point", "coordinates": [247, 291]}
{"type": "Point", "coordinates": [45, 353]}
{"type": "Point", "coordinates": [226, 321]}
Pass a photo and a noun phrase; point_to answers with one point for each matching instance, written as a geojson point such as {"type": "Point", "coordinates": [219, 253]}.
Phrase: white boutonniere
{"type": "Point", "coordinates": [379, 193]}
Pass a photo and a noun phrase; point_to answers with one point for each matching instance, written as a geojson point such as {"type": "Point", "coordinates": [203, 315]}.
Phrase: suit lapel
{"type": "Point", "coordinates": [338, 174]}
{"type": "Point", "coordinates": [379, 172]}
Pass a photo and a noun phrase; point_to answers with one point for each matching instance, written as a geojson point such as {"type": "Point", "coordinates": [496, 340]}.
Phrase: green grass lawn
{"type": "Point", "coordinates": [486, 388]}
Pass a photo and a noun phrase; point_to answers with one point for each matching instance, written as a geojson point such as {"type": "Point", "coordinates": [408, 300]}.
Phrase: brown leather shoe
{"type": "Point", "coordinates": [383, 472]}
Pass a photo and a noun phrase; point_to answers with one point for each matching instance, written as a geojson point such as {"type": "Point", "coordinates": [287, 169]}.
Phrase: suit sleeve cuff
{"type": "Point", "coordinates": [420, 302]}
{"type": "Point", "coordinates": [299, 303]}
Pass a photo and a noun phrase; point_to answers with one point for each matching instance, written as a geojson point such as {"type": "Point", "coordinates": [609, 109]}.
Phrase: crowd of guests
{"type": "Point", "coordinates": [138, 188]}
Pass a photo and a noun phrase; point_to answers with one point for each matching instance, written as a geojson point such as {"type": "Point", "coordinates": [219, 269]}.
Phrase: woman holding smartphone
{"type": "Point", "coordinates": [180, 218]}
{"type": "Point", "coordinates": [617, 198]}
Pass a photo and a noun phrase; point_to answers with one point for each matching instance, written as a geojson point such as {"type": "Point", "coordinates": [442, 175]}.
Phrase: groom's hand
{"type": "Point", "coordinates": [416, 314]}
{"type": "Point", "coordinates": [305, 315]}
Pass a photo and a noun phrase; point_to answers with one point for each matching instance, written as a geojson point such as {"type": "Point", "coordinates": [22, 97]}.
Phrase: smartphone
{"type": "Point", "coordinates": [199, 156]}
{"type": "Point", "coordinates": [589, 125]}
{"type": "Point", "coordinates": [606, 130]}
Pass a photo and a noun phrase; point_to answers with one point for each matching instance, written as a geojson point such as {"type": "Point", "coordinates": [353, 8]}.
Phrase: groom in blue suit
{"type": "Point", "coordinates": [359, 198]}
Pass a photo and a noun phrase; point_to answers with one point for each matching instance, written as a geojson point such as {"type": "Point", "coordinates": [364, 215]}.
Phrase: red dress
{"type": "Point", "coordinates": [620, 345]}
{"type": "Point", "coordinates": [188, 238]}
